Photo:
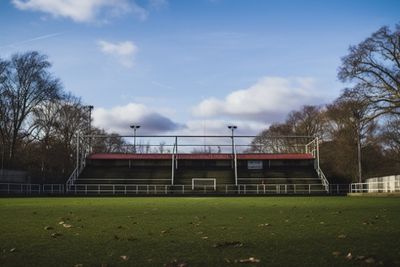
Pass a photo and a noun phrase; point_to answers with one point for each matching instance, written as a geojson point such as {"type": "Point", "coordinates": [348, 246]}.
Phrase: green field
{"type": "Point", "coordinates": [277, 231]}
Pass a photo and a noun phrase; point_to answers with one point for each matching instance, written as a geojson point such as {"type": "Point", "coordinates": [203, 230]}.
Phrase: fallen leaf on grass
{"type": "Point", "coordinates": [204, 237]}
{"type": "Point", "coordinates": [176, 263]}
{"type": "Point", "coordinates": [370, 260]}
{"type": "Point", "coordinates": [249, 260]}
{"type": "Point", "coordinates": [336, 253]}
{"type": "Point", "coordinates": [48, 228]}
{"type": "Point", "coordinates": [61, 222]}
{"type": "Point", "coordinates": [227, 260]}
{"type": "Point", "coordinates": [342, 236]}
{"type": "Point", "coordinates": [235, 244]}
{"type": "Point", "coordinates": [12, 250]}
{"type": "Point", "coordinates": [367, 223]}
{"type": "Point", "coordinates": [124, 257]}
{"type": "Point", "coordinates": [264, 225]}
{"type": "Point", "coordinates": [66, 225]}
{"type": "Point", "coordinates": [349, 256]}
{"type": "Point", "coordinates": [360, 258]}
{"type": "Point", "coordinates": [55, 235]}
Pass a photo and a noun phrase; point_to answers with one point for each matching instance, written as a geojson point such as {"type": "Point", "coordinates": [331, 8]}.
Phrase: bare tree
{"type": "Point", "coordinates": [303, 125]}
{"type": "Point", "coordinates": [308, 121]}
{"type": "Point", "coordinates": [161, 147]}
{"type": "Point", "coordinates": [391, 138]}
{"type": "Point", "coordinates": [351, 132]}
{"type": "Point", "coordinates": [374, 67]}
{"type": "Point", "coordinates": [25, 84]}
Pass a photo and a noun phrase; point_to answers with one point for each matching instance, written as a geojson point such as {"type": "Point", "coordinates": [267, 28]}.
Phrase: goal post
{"type": "Point", "coordinates": [213, 180]}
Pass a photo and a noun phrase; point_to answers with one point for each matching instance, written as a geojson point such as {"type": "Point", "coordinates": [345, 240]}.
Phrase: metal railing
{"type": "Point", "coordinates": [323, 178]}
{"type": "Point", "coordinates": [167, 189]}
{"type": "Point", "coordinates": [31, 189]}
{"type": "Point", "coordinates": [375, 187]}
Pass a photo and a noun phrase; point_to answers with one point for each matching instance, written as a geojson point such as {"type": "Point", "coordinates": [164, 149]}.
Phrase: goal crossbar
{"type": "Point", "coordinates": [214, 180]}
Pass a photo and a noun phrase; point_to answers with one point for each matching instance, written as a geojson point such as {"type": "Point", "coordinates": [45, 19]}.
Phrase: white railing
{"type": "Point", "coordinates": [71, 179]}
{"type": "Point", "coordinates": [375, 187]}
{"type": "Point", "coordinates": [31, 189]}
{"type": "Point", "coordinates": [324, 181]}
{"type": "Point", "coordinates": [166, 189]}
{"type": "Point", "coordinates": [280, 189]}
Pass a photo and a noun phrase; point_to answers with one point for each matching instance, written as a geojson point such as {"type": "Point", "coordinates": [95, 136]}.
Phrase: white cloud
{"type": "Point", "coordinates": [118, 119]}
{"type": "Point", "coordinates": [82, 10]}
{"type": "Point", "coordinates": [270, 99]}
{"type": "Point", "coordinates": [124, 52]}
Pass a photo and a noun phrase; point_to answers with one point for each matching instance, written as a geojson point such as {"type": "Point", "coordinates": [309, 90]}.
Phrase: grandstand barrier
{"type": "Point", "coordinates": [375, 187]}
{"type": "Point", "coordinates": [31, 189]}
{"type": "Point", "coordinates": [11, 189]}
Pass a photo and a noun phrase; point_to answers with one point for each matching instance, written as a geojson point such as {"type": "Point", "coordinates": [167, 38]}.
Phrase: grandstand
{"type": "Point", "coordinates": [199, 165]}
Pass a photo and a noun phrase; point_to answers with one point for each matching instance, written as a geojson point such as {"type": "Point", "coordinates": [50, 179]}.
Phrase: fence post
{"type": "Point", "coordinates": [309, 189]}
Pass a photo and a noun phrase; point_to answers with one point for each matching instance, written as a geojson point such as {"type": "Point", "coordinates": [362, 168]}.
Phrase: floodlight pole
{"type": "Point", "coordinates": [134, 127]}
{"type": "Point", "coordinates": [234, 164]}
{"type": "Point", "coordinates": [90, 108]}
{"type": "Point", "coordinates": [232, 128]}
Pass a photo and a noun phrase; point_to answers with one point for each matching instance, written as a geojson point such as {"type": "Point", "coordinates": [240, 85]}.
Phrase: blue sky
{"type": "Point", "coordinates": [193, 67]}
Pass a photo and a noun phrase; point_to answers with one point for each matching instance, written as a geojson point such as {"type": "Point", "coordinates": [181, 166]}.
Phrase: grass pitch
{"type": "Point", "coordinates": [276, 231]}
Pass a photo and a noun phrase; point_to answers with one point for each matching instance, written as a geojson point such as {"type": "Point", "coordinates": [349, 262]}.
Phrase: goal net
{"type": "Point", "coordinates": [204, 182]}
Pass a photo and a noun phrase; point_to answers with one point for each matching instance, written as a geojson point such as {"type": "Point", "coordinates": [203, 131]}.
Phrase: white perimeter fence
{"type": "Point", "coordinates": [387, 184]}
{"type": "Point", "coordinates": [154, 189]}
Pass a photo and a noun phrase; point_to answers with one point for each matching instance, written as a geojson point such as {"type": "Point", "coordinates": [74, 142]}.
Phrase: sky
{"type": "Point", "coordinates": [193, 66]}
